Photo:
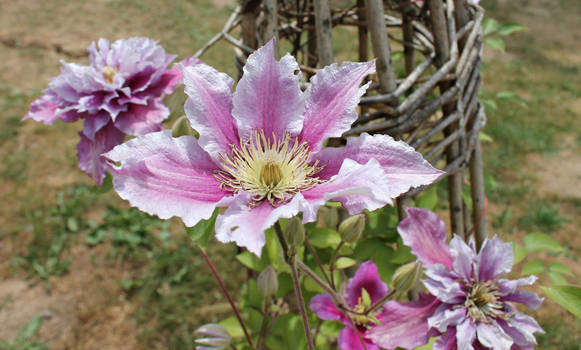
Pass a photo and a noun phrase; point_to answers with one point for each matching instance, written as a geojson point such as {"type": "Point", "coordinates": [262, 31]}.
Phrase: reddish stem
{"type": "Point", "coordinates": [225, 291]}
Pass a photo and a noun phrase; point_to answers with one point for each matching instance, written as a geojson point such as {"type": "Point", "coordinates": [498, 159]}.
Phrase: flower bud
{"type": "Point", "coordinates": [332, 218]}
{"type": "Point", "coordinates": [268, 282]}
{"type": "Point", "coordinates": [294, 233]}
{"type": "Point", "coordinates": [407, 276]}
{"type": "Point", "coordinates": [217, 337]}
{"type": "Point", "coordinates": [182, 127]}
{"type": "Point", "coordinates": [352, 228]}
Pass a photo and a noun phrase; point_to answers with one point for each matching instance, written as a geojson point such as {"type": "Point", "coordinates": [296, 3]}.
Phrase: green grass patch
{"type": "Point", "coordinates": [541, 216]}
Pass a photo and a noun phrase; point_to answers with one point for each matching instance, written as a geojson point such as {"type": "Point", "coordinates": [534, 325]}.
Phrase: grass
{"type": "Point", "coordinates": [541, 216]}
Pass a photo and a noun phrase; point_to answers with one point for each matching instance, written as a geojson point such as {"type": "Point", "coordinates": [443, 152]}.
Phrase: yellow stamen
{"type": "Point", "coordinates": [109, 73]}
{"type": "Point", "coordinates": [483, 303]}
{"type": "Point", "coordinates": [268, 168]}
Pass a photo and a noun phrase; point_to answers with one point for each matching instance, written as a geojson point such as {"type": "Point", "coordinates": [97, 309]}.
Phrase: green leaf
{"type": "Point", "coordinates": [429, 199]}
{"type": "Point", "coordinates": [428, 346]}
{"type": "Point", "coordinates": [511, 96]}
{"type": "Point", "coordinates": [29, 330]}
{"type": "Point", "coordinates": [533, 267]}
{"type": "Point", "coordinates": [106, 185]}
{"type": "Point", "coordinates": [490, 104]}
{"type": "Point", "coordinates": [402, 255]}
{"type": "Point", "coordinates": [344, 262]}
{"type": "Point", "coordinates": [495, 43]}
{"type": "Point", "coordinates": [536, 242]}
{"type": "Point", "coordinates": [201, 232]}
{"type": "Point", "coordinates": [233, 327]}
{"type": "Point", "coordinates": [569, 297]}
{"type": "Point", "coordinates": [324, 238]}
{"type": "Point", "coordinates": [560, 268]}
{"type": "Point", "coordinates": [484, 137]}
{"type": "Point", "coordinates": [251, 261]}
{"type": "Point", "coordinates": [519, 252]}
{"type": "Point", "coordinates": [509, 28]}
{"type": "Point", "coordinates": [556, 278]}
{"type": "Point", "coordinates": [489, 25]}
{"type": "Point", "coordinates": [366, 248]}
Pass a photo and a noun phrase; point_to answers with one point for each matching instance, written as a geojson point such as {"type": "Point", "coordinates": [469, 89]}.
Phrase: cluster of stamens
{"type": "Point", "coordinates": [482, 303]}
{"type": "Point", "coordinates": [268, 168]}
{"type": "Point", "coordinates": [360, 315]}
{"type": "Point", "coordinates": [108, 73]}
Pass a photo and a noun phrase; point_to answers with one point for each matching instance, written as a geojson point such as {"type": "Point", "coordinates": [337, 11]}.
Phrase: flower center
{"type": "Point", "coordinates": [359, 315]}
{"type": "Point", "coordinates": [108, 73]}
{"type": "Point", "coordinates": [483, 303]}
{"type": "Point", "coordinates": [268, 168]}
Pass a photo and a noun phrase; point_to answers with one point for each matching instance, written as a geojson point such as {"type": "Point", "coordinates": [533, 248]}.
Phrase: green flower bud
{"type": "Point", "coordinates": [268, 282]}
{"type": "Point", "coordinates": [294, 232]}
{"type": "Point", "coordinates": [182, 127]}
{"type": "Point", "coordinates": [332, 218]}
{"type": "Point", "coordinates": [217, 337]}
{"type": "Point", "coordinates": [352, 228]}
{"type": "Point", "coordinates": [407, 276]}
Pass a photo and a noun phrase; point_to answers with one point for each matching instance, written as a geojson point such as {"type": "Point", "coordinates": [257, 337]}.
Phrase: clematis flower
{"type": "Point", "coordinates": [120, 93]}
{"type": "Point", "coordinates": [260, 151]}
{"type": "Point", "coordinates": [365, 281]}
{"type": "Point", "coordinates": [474, 306]}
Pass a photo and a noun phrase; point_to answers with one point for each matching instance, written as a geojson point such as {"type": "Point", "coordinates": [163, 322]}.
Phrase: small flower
{"type": "Point", "coordinates": [260, 151]}
{"type": "Point", "coordinates": [120, 93]}
{"type": "Point", "coordinates": [216, 337]}
{"type": "Point", "coordinates": [364, 289]}
{"type": "Point", "coordinates": [473, 305]}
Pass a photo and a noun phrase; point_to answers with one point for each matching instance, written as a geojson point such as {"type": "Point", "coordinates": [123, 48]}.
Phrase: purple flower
{"type": "Point", "coordinates": [260, 151]}
{"type": "Point", "coordinates": [474, 306]}
{"type": "Point", "coordinates": [119, 93]}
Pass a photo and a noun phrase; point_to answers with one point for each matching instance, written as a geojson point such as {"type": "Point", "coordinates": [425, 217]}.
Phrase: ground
{"type": "Point", "coordinates": [533, 166]}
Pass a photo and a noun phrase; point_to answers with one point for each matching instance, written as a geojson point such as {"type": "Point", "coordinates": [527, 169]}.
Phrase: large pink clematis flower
{"type": "Point", "coordinates": [473, 306]}
{"type": "Point", "coordinates": [260, 151]}
{"type": "Point", "coordinates": [350, 338]}
{"type": "Point", "coordinates": [120, 93]}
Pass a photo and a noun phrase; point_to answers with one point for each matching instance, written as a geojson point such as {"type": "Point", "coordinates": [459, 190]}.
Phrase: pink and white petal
{"type": "Point", "coordinates": [444, 317]}
{"type": "Point", "coordinates": [324, 307]}
{"type": "Point", "coordinates": [528, 298]}
{"type": "Point", "coordinates": [404, 167]}
{"type": "Point", "coordinates": [466, 334]}
{"type": "Point", "coordinates": [331, 101]}
{"type": "Point", "coordinates": [521, 328]}
{"type": "Point", "coordinates": [425, 233]}
{"type": "Point", "coordinates": [404, 325]}
{"type": "Point", "coordinates": [43, 109]}
{"type": "Point", "coordinates": [95, 122]}
{"type": "Point", "coordinates": [348, 340]}
{"type": "Point", "coordinates": [142, 119]}
{"type": "Point", "coordinates": [356, 186]}
{"type": "Point", "coordinates": [209, 108]}
{"type": "Point", "coordinates": [446, 341]}
{"type": "Point", "coordinates": [89, 151]}
{"type": "Point", "coordinates": [245, 225]}
{"type": "Point", "coordinates": [167, 176]}
{"type": "Point", "coordinates": [268, 96]}
{"type": "Point", "coordinates": [464, 257]}
{"type": "Point", "coordinates": [495, 259]}
{"type": "Point", "coordinates": [493, 336]}
{"type": "Point", "coordinates": [443, 284]}
{"type": "Point", "coordinates": [367, 277]}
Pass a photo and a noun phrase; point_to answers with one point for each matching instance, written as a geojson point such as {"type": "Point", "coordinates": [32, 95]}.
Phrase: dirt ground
{"type": "Point", "coordinates": [86, 309]}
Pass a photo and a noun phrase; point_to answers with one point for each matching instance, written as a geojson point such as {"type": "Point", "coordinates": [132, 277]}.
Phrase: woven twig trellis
{"type": "Point", "coordinates": [433, 106]}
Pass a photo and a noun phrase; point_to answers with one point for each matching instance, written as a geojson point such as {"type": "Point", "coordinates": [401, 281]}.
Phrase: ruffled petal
{"type": "Point", "coordinates": [404, 325]}
{"type": "Point", "coordinates": [425, 233]}
{"type": "Point", "coordinates": [464, 257]}
{"type": "Point", "coordinates": [245, 225]}
{"type": "Point", "coordinates": [348, 340]}
{"type": "Point", "coordinates": [324, 307]}
{"type": "Point", "coordinates": [366, 277]}
{"type": "Point", "coordinates": [95, 122]}
{"type": "Point", "coordinates": [43, 110]}
{"type": "Point", "coordinates": [493, 336]}
{"type": "Point", "coordinates": [521, 328]}
{"type": "Point", "coordinates": [89, 151]}
{"type": "Point", "coordinates": [142, 119]}
{"type": "Point", "coordinates": [444, 316]}
{"type": "Point", "coordinates": [167, 176]}
{"type": "Point", "coordinates": [331, 101]}
{"type": "Point", "coordinates": [465, 334]}
{"type": "Point", "coordinates": [495, 259]}
{"type": "Point", "coordinates": [405, 168]}
{"type": "Point", "coordinates": [268, 96]}
{"type": "Point", "coordinates": [446, 341]}
{"type": "Point", "coordinates": [356, 186]}
{"type": "Point", "coordinates": [209, 108]}
{"type": "Point", "coordinates": [443, 284]}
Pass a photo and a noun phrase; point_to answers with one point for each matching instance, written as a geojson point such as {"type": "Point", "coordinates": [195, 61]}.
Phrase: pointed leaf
{"type": "Point", "coordinates": [519, 252]}
{"type": "Point", "coordinates": [533, 268]}
{"type": "Point", "coordinates": [568, 297]}
{"type": "Point", "coordinates": [536, 242]}
{"type": "Point", "coordinates": [201, 232]}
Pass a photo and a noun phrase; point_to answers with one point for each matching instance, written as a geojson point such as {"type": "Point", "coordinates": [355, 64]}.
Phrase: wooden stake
{"type": "Point", "coordinates": [323, 27]}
